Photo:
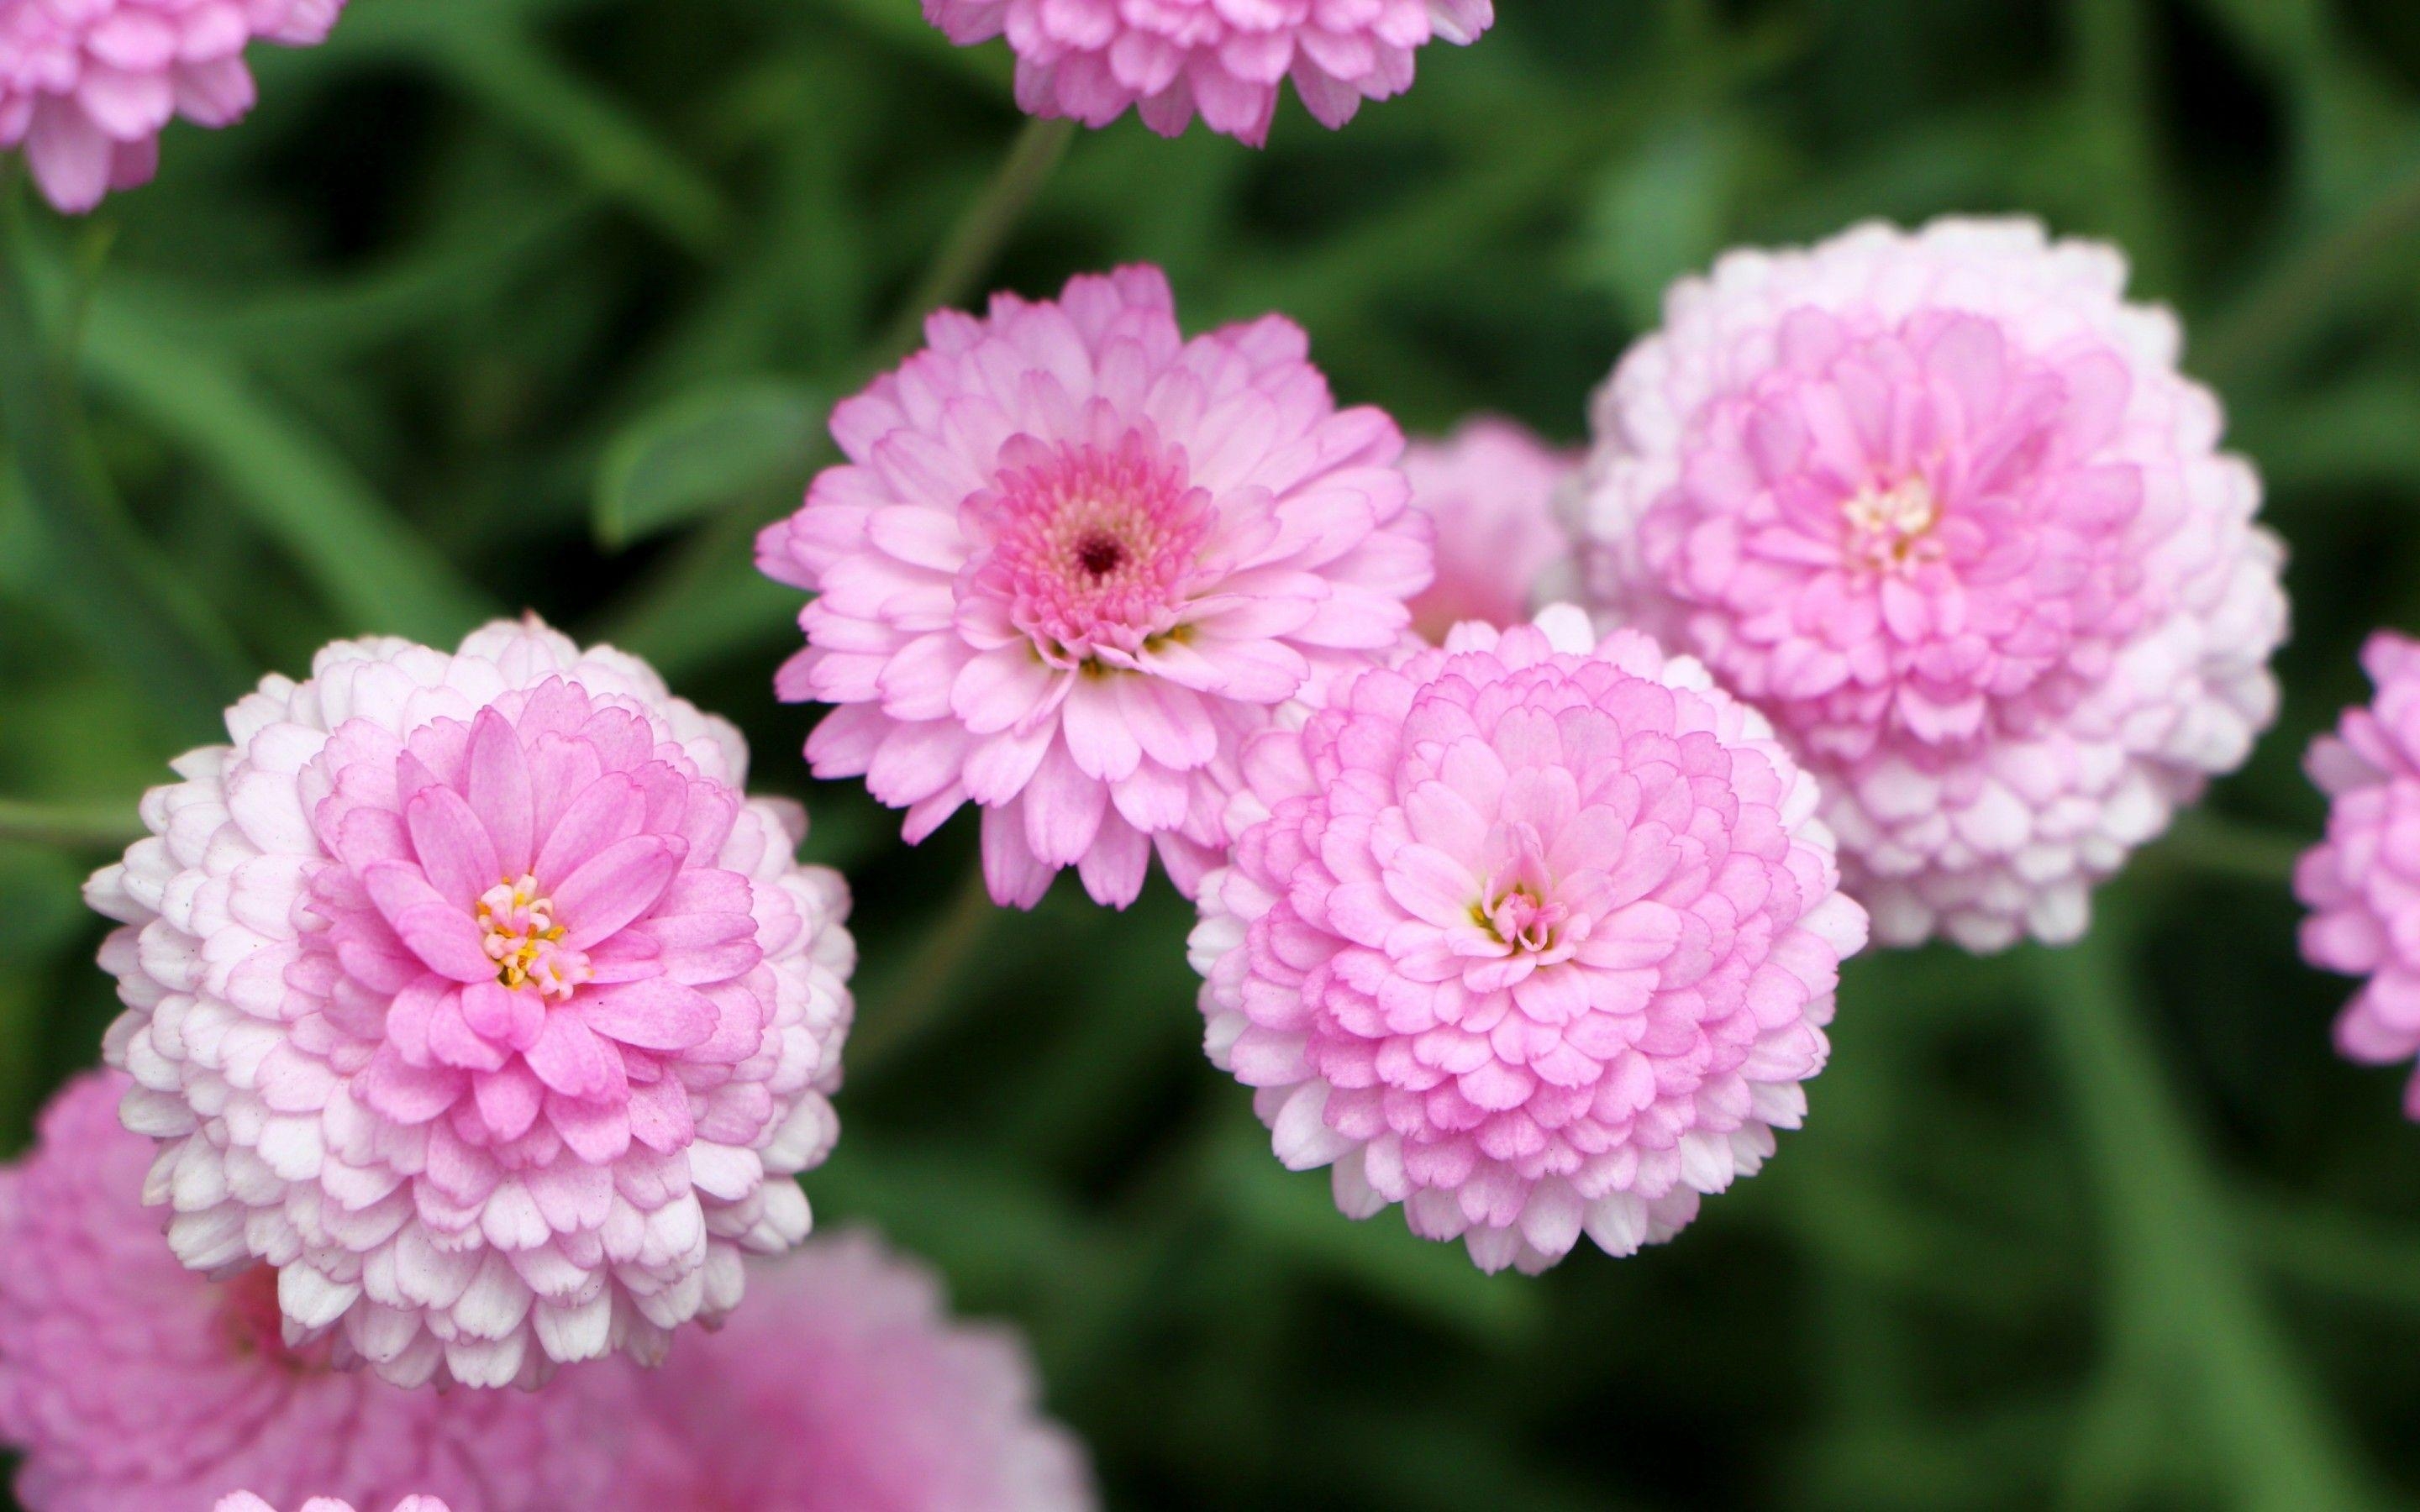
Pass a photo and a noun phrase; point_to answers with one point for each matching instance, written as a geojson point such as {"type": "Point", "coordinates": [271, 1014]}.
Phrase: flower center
{"type": "Point", "coordinates": [1090, 546]}
{"type": "Point", "coordinates": [522, 936]}
{"type": "Point", "coordinates": [1100, 553]}
{"type": "Point", "coordinates": [254, 1325]}
{"type": "Point", "coordinates": [1522, 919]}
{"type": "Point", "coordinates": [1890, 528]}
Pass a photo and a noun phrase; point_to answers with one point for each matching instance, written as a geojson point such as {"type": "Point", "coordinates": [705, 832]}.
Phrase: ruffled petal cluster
{"type": "Point", "coordinates": [87, 85]}
{"type": "Point", "coordinates": [843, 1385]}
{"type": "Point", "coordinates": [1490, 488]}
{"type": "Point", "coordinates": [472, 993]}
{"type": "Point", "coordinates": [128, 1383]}
{"type": "Point", "coordinates": [1225, 60]}
{"type": "Point", "coordinates": [1073, 560]}
{"type": "Point", "coordinates": [1532, 934]}
{"type": "Point", "coordinates": [2362, 883]}
{"type": "Point", "coordinates": [1942, 505]}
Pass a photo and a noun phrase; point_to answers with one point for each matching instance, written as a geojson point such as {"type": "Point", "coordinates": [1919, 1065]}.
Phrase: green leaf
{"type": "Point", "coordinates": [704, 450]}
{"type": "Point", "coordinates": [104, 573]}
{"type": "Point", "coordinates": [370, 564]}
{"type": "Point", "coordinates": [2175, 1248]}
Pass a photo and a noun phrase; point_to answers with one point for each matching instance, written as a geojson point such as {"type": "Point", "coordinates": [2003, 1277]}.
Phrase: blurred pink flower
{"type": "Point", "coordinates": [1073, 558]}
{"type": "Point", "coordinates": [128, 1383]}
{"type": "Point", "coordinates": [250, 1503]}
{"type": "Point", "coordinates": [1490, 488]}
{"type": "Point", "coordinates": [1532, 934]}
{"type": "Point", "coordinates": [1941, 505]}
{"type": "Point", "coordinates": [2362, 883]}
{"type": "Point", "coordinates": [842, 1385]}
{"type": "Point", "coordinates": [87, 85]}
{"type": "Point", "coordinates": [472, 992]}
{"type": "Point", "coordinates": [1169, 59]}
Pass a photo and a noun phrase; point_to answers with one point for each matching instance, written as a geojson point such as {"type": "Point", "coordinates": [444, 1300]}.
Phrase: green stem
{"type": "Point", "coordinates": [2261, 331]}
{"type": "Point", "coordinates": [2225, 847]}
{"type": "Point", "coordinates": [916, 1004]}
{"type": "Point", "coordinates": [974, 243]}
{"type": "Point", "coordinates": [2360, 1259]}
{"type": "Point", "coordinates": [68, 827]}
{"type": "Point", "coordinates": [2167, 1229]}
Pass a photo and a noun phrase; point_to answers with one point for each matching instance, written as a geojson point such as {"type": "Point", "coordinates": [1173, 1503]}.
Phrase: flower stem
{"type": "Point", "coordinates": [68, 827]}
{"type": "Point", "coordinates": [974, 243]}
{"type": "Point", "coordinates": [923, 995]}
{"type": "Point", "coordinates": [2207, 842]}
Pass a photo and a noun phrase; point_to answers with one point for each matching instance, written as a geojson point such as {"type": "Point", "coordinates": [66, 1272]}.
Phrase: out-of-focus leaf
{"type": "Point", "coordinates": [702, 449]}
{"type": "Point", "coordinates": [107, 577]}
{"type": "Point", "coordinates": [373, 569]}
{"type": "Point", "coordinates": [1662, 212]}
{"type": "Point", "coordinates": [488, 49]}
{"type": "Point", "coordinates": [2358, 432]}
{"type": "Point", "coordinates": [2164, 1217]}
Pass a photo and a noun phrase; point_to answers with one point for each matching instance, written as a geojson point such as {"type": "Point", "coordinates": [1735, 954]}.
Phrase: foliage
{"type": "Point", "coordinates": [519, 303]}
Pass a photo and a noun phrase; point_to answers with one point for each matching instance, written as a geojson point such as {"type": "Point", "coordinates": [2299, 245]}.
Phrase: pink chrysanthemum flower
{"type": "Point", "coordinates": [1225, 59]}
{"type": "Point", "coordinates": [2362, 884]}
{"type": "Point", "coordinates": [1490, 488]}
{"type": "Point", "coordinates": [1071, 558]}
{"type": "Point", "coordinates": [128, 1383]}
{"type": "Point", "coordinates": [1941, 505]}
{"type": "Point", "coordinates": [87, 85]}
{"type": "Point", "coordinates": [472, 992]}
{"type": "Point", "coordinates": [1531, 934]}
{"type": "Point", "coordinates": [250, 1503]}
{"type": "Point", "coordinates": [843, 1385]}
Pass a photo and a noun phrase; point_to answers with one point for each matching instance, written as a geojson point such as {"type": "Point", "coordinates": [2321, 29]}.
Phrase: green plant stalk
{"type": "Point", "coordinates": [68, 827]}
{"type": "Point", "coordinates": [920, 1001]}
{"type": "Point", "coordinates": [975, 242]}
{"type": "Point", "coordinates": [2162, 1213]}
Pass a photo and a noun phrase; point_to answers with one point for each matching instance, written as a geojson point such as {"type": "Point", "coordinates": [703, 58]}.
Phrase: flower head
{"type": "Point", "coordinates": [87, 85]}
{"type": "Point", "coordinates": [1490, 488]}
{"type": "Point", "coordinates": [1073, 558]}
{"type": "Point", "coordinates": [1532, 934]}
{"type": "Point", "coordinates": [2359, 881]}
{"type": "Point", "coordinates": [128, 1383]}
{"type": "Point", "coordinates": [472, 993]}
{"type": "Point", "coordinates": [841, 1385]}
{"type": "Point", "coordinates": [1941, 505]}
{"type": "Point", "coordinates": [1168, 59]}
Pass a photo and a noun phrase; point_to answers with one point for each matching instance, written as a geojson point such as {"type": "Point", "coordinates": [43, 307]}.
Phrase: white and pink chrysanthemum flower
{"type": "Point", "coordinates": [2362, 883]}
{"type": "Point", "coordinates": [1533, 934]}
{"type": "Point", "coordinates": [1942, 505]}
{"type": "Point", "coordinates": [129, 1384]}
{"type": "Point", "coordinates": [1225, 60]}
{"type": "Point", "coordinates": [1073, 558]}
{"type": "Point", "coordinates": [86, 86]}
{"type": "Point", "coordinates": [841, 1385]}
{"type": "Point", "coordinates": [1490, 486]}
{"type": "Point", "coordinates": [470, 992]}
{"type": "Point", "coordinates": [250, 1503]}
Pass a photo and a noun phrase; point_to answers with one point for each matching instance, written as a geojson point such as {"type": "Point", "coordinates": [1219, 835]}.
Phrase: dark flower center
{"type": "Point", "coordinates": [1100, 553]}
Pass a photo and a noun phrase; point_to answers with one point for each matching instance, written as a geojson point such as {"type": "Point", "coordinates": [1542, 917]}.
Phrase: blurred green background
{"type": "Point", "coordinates": [498, 303]}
